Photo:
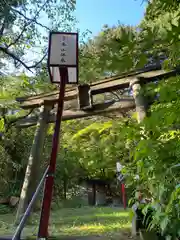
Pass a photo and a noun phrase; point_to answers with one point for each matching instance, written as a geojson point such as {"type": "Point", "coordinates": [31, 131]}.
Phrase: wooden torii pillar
{"type": "Point", "coordinates": [33, 167]}
{"type": "Point", "coordinates": [140, 101]}
{"type": "Point", "coordinates": [34, 162]}
{"type": "Point", "coordinates": [85, 98]}
{"type": "Point", "coordinates": [141, 110]}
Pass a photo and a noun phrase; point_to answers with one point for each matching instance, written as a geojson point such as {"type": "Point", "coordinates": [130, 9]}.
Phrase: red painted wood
{"type": "Point", "coordinates": [123, 195]}
{"type": "Point", "coordinates": [49, 183]}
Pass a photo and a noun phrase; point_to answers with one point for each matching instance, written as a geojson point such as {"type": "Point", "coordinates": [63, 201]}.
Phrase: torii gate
{"type": "Point", "coordinates": [80, 102]}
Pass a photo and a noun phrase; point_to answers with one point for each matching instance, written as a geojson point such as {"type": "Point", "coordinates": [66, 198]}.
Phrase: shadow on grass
{"type": "Point", "coordinates": [79, 223]}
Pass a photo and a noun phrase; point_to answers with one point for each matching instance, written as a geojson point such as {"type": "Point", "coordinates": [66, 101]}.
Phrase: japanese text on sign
{"type": "Point", "coordinates": [63, 49]}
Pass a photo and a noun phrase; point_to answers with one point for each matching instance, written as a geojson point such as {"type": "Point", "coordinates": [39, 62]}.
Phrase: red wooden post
{"type": "Point", "coordinates": [48, 189]}
{"type": "Point", "coordinates": [123, 195]}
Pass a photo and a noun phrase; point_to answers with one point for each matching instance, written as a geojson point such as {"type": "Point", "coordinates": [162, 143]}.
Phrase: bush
{"type": "Point", "coordinates": [5, 209]}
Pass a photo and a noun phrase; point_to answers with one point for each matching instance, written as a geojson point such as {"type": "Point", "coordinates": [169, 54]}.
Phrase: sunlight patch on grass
{"type": "Point", "coordinates": [85, 221]}
{"type": "Point", "coordinates": [114, 214]}
{"type": "Point", "coordinates": [90, 229]}
{"type": "Point", "coordinates": [99, 228]}
{"type": "Point", "coordinates": [90, 221]}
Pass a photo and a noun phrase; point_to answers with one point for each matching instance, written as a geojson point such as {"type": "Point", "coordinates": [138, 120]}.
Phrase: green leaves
{"type": "Point", "coordinates": [2, 127]}
{"type": "Point", "coordinates": [108, 53]}
{"type": "Point", "coordinates": [23, 29]}
{"type": "Point", "coordinates": [156, 156]}
{"type": "Point", "coordinates": [122, 48]}
{"type": "Point", "coordinates": [98, 145]}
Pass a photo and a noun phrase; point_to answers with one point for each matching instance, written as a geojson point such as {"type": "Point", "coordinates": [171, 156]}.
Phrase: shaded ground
{"type": "Point", "coordinates": [84, 223]}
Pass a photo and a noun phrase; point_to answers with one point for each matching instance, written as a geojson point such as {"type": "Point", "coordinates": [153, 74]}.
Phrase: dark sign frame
{"type": "Point", "coordinates": [63, 65]}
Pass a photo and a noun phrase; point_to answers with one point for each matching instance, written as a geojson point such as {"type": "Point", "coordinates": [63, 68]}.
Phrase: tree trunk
{"type": "Point", "coordinates": [32, 174]}
{"type": "Point", "coordinates": [85, 99]}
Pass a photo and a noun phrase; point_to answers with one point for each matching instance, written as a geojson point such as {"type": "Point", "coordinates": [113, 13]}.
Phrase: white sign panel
{"type": "Point", "coordinates": [118, 167]}
{"type": "Point", "coordinates": [63, 49]}
{"type": "Point", "coordinates": [72, 75]}
{"type": "Point", "coordinates": [120, 176]}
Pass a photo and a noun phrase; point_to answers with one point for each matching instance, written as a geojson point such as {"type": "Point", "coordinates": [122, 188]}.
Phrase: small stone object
{"type": "Point", "coordinates": [13, 201]}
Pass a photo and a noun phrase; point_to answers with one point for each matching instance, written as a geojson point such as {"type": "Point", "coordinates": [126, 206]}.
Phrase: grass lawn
{"type": "Point", "coordinates": [78, 223]}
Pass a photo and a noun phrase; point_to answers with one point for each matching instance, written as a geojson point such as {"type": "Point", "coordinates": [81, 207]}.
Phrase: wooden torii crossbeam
{"type": "Point", "coordinates": [72, 97]}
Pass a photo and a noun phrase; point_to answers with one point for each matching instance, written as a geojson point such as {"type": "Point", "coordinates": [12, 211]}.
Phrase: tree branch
{"type": "Point", "coordinates": [33, 19]}
{"type": "Point", "coordinates": [29, 21]}
{"type": "Point", "coordinates": [2, 28]}
{"type": "Point", "coordinates": [16, 58]}
{"type": "Point", "coordinates": [19, 36]}
{"type": "Point", "coordinates": [9, 53]}
{"type": "Point", "coordinates": [37, 63]}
